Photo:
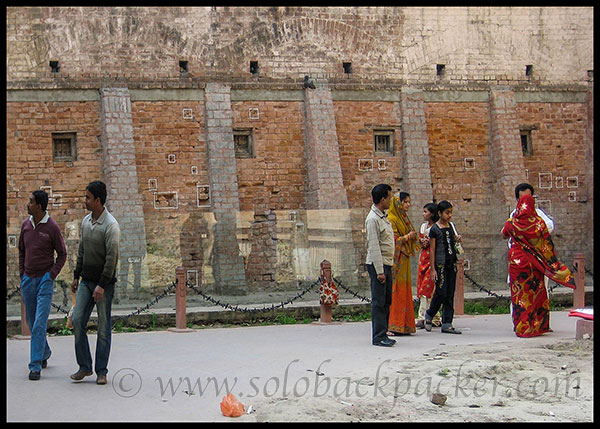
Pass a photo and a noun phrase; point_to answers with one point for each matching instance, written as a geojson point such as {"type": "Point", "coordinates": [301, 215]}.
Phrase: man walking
{"type": "Point", "coordinates": [40, 237]}
{"type": "Point", "coordinates": [97, 259]}
{"type": "Point", "coordinates": [379, 261]}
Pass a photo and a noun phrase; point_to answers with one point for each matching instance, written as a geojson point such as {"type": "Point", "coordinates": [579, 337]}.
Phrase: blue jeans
{"type": "Point", "coordinates": [37, 296]}
{"type": "Point", "coordinates": [84, 304]}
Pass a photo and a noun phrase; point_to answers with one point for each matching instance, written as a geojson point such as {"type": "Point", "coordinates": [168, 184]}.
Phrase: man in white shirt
{"type": "Point", "coordinates": [379, 261]}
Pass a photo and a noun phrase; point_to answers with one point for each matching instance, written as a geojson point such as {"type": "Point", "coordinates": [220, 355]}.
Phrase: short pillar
{"type": "Point", "coordinates": [180, 296]}
{"type": "Point", "coordinates": [579, 276]}
{"type": "Point", "coordinates": [584, 329]}
{"type": "Point", "coordinates": [459, 292]}
{"type": "Point", "coordinates": [25, 333]}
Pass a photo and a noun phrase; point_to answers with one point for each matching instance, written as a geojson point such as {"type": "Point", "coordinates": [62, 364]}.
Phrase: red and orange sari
{"type": "Point", "coordinates": [531, 257]}
{"type": "Point", "coordinates": [402, 310]}
{"type": "Point", "coordinates": [424, 284]}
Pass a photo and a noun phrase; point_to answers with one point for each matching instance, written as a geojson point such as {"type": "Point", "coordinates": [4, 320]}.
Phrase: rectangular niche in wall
{"type": "Point", "coordinates": [469, 163]}
{"type": "Point", "coordinates": [194, 169]}
{"type": "Point", "coordinates": [572, 182]}
{"type": "Point", "coordinates": [467, 265]}
{"type": "Point", "coordinates": [47, 189]}
{"type": "Point", "coordinates": [188, 114]}
{"type": "Point", "coordinates": [572, 196]}
{"type": "Point", "coordinates": [203, 195]}
{"type": "Point", "coordinates": [545, 180]}
{"type": "Point", "coordinates": [166, 200]}
{"type": "Point", "coordinates": [12, 240]}
{"type": "Point", "coordinates": [57, 200]}
{"type": "Point", "coordinates": [171, 158]}
{"type": "Point", "coordinates": [545, 205]}
{"type": "Point", "coordinates": [152, 185]}
{"type": "Point", "coordinates": [192, 277]}
{"type": "Point", "coordinates": [365, 164]}
{"type": "Point", "coordinates": [253, 113]}
{"type": "Point", "coordinates": [559, 182]}
{"type": "Point", "coordinates": [381, 164]}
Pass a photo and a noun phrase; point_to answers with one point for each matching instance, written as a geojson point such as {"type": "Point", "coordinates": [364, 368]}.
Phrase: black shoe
{"type": "Point", "coordinates": [385, 343]}
{"type": "Point", "coordinates": [451, 330]}
{"type": "Point", "coordinates": [34, 375]}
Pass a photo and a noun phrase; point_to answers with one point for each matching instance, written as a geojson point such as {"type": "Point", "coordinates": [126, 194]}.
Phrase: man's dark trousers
{"type": "Point", "coordinates": [381, 300]}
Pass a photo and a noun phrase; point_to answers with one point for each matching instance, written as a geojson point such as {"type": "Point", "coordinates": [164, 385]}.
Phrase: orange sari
{"type": "Point", "coordinates": [402, 311]}
{"type": "Point", "coordinates": [531, 257]}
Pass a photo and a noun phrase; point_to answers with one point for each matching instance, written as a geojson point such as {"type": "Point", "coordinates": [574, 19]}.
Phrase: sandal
{"type": "Point", "coordinates": [428, 325]}
{"type": "Point", "coordinates": [451, 330]}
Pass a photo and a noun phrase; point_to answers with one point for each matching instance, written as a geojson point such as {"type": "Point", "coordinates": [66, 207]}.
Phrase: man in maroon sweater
{"type": "Point", "coordinates": [40, 237]}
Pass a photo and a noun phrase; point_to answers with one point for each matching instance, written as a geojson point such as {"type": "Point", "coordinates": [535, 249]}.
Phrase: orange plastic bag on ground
{"type": "Point", "coordinates": [231, 407]}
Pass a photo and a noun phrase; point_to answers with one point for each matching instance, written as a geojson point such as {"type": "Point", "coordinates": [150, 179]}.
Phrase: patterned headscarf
{"type": "Point", "coordinates": [529, 232]}
{"type": "Point", "coordinates": [402, 226]}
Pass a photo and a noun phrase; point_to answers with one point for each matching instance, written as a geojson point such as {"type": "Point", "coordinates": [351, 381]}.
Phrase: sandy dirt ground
{"type": "Point", "coordinates": [517, 382]}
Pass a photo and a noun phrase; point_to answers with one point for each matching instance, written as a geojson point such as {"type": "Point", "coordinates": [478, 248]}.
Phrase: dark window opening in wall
{"type": "Point", "coordinates": [347, 67]}
{"type": "Point", "coordinates": [529, 70]}
{"type": "Point", "coordinates": [54, 66]}
{"type": "Point", "coordinates": [242, 140]}
{"type": "Point", "coordinates": [526, 146]}
{"type": "Point", "coordinates": [384, 141]}
{"type": "Point", "coordinates": [64, 147]}
{"type": "Point", "coordinates": [440, 69]}
{"type": "Point", "coordinates": [590, 75]}
{"type": "Point", "coordinates": [183, 67]}
{"type": "Point", "coordinates": [254, 67]}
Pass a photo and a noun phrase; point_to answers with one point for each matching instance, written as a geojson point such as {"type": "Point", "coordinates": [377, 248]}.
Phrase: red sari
{"type": "Point", "coordinates": [531, 257]}
{"type": "Point", "coordinates": [424, 284]}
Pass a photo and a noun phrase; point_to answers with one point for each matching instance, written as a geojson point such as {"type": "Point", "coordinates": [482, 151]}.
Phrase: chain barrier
{"type": "Point", "coordinates": [139, 310]}
{"type": "Point", "coordinates": [236, 307]}
{"type": "Point", "coordinates": [350, 291]}
{"type": "Point", "coordinates": [590, 273]}
{"type": "Point", "coordinates": [482, 289]}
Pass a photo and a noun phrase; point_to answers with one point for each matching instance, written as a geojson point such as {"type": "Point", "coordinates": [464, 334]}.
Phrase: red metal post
{"type": "Point", "coordinates": [459, 292]}
{"type": "Point", "coordinates": [180, 316]}
{"type": "Point", "coordinates": [579, 276]}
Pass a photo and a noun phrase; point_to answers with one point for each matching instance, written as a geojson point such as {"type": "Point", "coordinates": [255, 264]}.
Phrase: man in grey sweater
{"type": "Point", "coordinates": [96, 265]}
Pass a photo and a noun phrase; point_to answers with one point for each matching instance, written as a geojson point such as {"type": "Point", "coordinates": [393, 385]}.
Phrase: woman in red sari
{"type": "Point", "coordinates": [531, 257]}
{"type": "Point", "coordinates": [402, 311]}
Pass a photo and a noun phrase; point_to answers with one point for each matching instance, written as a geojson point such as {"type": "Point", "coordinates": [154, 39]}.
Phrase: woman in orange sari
{"type": "Point", "coordinates": [531, 257]}
{"type": "Point", "coordinates": [402, 312]}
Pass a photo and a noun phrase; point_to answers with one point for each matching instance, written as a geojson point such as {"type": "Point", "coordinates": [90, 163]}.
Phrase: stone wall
{"type": "Point", "coordinates": [240, 224]}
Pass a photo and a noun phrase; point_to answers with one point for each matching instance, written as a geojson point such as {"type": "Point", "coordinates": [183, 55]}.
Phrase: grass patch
{"type": "Point", "coordinates": [480, 308]}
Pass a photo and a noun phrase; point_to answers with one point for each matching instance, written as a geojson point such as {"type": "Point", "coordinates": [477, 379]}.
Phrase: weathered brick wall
{"type": "Point", "coordinates": [478, 45]}
{"type": "Point", "coordinates": [30, 165]}
{"type": "Point", "coordinates": [355, 124]}
{"type": "Point", "coordinates": [557, 169]}
{"type": "Point", "coordinates": [459, 131]}
{"type": "Point", "coordinates": [275, 178]}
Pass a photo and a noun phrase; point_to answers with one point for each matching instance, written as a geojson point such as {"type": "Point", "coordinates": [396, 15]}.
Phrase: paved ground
{"type": "Point", "coordinates": [168, 376]}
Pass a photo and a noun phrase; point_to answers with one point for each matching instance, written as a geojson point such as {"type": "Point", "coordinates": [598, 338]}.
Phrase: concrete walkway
{"type": "Point", "coordinates": [168, 376]}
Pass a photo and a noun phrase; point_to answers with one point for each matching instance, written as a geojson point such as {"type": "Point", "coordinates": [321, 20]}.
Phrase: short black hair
{"type": "Point", "coordinates": [98, 190]}
{"type": "Point", "coordinates": [379, 192]}
{"type": "Point", "coordinates": [403, 196]}
{"type": "Point", "coordinates": [443, 206]}
{"type": "Point", "coordinates": [41, 197]}
{"type": "Point", "coordinates": [521, 187]}
{"type": "Point", "coordinates": [433, 209]}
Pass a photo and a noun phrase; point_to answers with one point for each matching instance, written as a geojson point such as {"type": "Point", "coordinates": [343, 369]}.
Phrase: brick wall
{"type": "Point", "coordinates": [456, 134]}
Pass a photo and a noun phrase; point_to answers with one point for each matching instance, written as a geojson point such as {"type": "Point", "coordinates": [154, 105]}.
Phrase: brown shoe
{"type": "Point", "coordinates": [80, 374]}
{"type": "Point", "coordinates": [101, 379]}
